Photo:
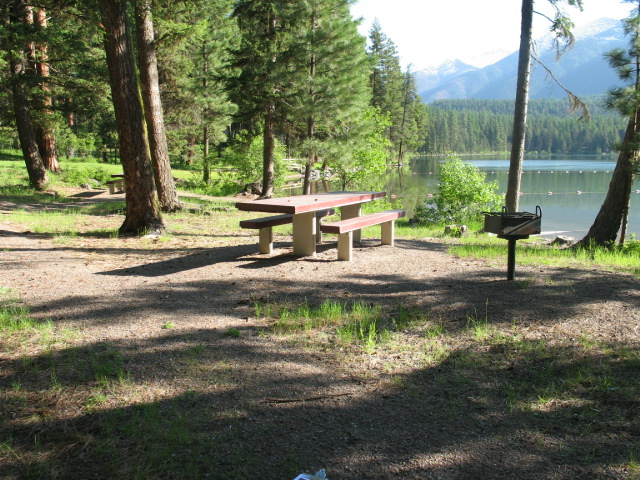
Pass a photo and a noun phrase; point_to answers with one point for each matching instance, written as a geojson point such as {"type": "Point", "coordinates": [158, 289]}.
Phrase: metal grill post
{"type": "Point", "coordinates": [511, 259]}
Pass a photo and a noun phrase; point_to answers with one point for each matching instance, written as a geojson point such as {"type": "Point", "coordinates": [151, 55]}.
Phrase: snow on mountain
{"type": "Point", "coordinates": [583, 69]}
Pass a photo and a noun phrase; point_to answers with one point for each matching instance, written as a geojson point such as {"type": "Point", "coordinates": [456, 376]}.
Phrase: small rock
{"type": "Point", "coordinates": [563, 241]}
{"type": "Point", "coordinates": [455, 230]}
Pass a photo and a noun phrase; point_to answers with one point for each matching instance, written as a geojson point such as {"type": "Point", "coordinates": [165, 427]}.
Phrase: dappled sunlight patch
{"type": "Point", "coordinates": [550, 404]}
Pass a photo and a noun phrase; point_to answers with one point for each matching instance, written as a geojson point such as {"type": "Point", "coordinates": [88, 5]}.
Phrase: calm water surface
{"type": "Point", "coordinates": [569, 190]}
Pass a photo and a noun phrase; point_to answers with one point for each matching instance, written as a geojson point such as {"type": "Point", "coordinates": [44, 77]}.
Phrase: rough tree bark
{"type": "Point", "coordinates": [24, 121]}
{"type": "Point", "coordinates": [269, 145]}
{"type": "Point", "coordinates": [148, 66]}
{"type": "Point", "coordinates": [143, 213]}
{"type": "Point", "coordinates": [45, 132]}
{"type": "Point", "coordinates": [607, 223]}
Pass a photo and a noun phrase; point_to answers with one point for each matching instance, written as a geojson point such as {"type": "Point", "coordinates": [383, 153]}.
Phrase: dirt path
{"type": "Point", "coordinates": [181, 312]}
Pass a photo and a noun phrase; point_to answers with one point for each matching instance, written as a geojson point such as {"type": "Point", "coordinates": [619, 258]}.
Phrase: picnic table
{"type": "Point", "coordinates": [301, 211]}
{"type": "Point", "coordinates": [117, 184]}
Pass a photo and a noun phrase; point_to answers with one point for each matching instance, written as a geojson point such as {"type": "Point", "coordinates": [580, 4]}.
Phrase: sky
{"type": "Point", "coordinates": [478, 32]}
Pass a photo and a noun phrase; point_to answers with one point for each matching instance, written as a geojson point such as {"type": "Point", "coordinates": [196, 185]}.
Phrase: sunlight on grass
{"type": "Point", "coordinates": [535, 253]}
{"type": "Point", "coordinates": [478, 325]}
{"type": "Point", "coordinates": [64, 225]}
{"type": "Point", "coordinates": [355, 323]}
{"type": "Point", "coordinates": [17, 326]}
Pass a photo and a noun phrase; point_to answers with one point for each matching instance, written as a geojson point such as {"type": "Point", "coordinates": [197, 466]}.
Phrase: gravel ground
{"type": "Point", "coordinates": [302, 402]}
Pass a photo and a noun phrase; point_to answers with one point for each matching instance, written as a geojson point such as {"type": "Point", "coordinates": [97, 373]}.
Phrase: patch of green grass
{"type": "Point", "coordinates": [433, 330]}
{"type": "Point", "coordinates": [168, 325]}
{"type": "Point", "coordinates": [355, 323]}
{"type": "Point", "coordinates": [108, 365]}
{"type": "Point", "coordinates": [96, 400]}
{"type": "Point", "coordinates": [302, 316]}
{"type": "Point", "coordinates": [233, 333]}
{"type": "Point", "coordinates": [436, 351]}
{"type": "Point", "coordinates": [533, 252]}
{"type": "Point", "coordinates": [65, 224]}
{"type": "Point", "coordinates": [15, 318]}
{"type": "Point", "coordinates": [478, 324]}
{"type": "Point", "coordinates": [22, 194]}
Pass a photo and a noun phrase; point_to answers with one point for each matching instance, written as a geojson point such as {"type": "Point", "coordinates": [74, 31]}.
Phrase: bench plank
{"type": "Point", "coordinates": [346, 229]}
{"type": "Point", "coordinates": [357, 223]}
{"type": "Point", "coordinates": [265, 222]}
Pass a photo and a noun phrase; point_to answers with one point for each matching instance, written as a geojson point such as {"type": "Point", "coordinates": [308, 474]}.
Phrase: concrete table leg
{"type": "Point", "coordinates": [351, 211]}
{"type": "Point", "coordinates": [265, 236]}
{"type": "Point", "coordinates": [304, 234]}
{"type": "Point", "coordinates": [345, 246]}
{"type": "Point", "coordinates": [387, 233]}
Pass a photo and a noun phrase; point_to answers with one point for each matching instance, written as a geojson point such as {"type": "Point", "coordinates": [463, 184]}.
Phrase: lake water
{"type": "Point", "coordinates": [569, 191]}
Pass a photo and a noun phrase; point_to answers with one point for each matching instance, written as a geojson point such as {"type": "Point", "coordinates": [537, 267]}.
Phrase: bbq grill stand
{"type": "Point", "coordinates": [511, 253]}
{"type": "Point", "coordinates": [512, 227]}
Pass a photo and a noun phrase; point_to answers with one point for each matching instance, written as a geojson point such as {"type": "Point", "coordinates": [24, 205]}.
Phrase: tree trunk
{"type": "Point", "coordinates": [148, 65]}
{"type": "Point", "coordinates": [520, 111]}
{"type": "Point", "coordinates": [206, 135]}
{"type": "Point", "coordinates": [206, 169]}
{"type": "Point", "coordinates": [607, 223]}
{"type": "Point", "coordinates": [269, 143]}
{"type": "Point", "coordinates": [306, 186]}
{"type": "Point", "coordinates": [24, 122]}
{"type": "Point", "coordinates": [625, 220]}
{"type": "Point", "coordinates": [45, 133]}
{"type": "Point", "coordinates": [143, 214]}
{"type": "Point", "coordinates": [191, 149]}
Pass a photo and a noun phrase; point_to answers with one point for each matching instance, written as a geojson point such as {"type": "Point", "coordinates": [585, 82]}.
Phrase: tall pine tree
{"type": "Point", "coordinates": [333, 91]}
{"type": "Point", "coordinates": [266, 59]}
{"type": "Point", "coordinates": [395, 95]}
{"type": "Point", "coordinates": [614, 209]}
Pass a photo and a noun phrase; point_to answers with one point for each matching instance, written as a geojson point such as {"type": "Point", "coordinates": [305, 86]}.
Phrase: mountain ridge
{"type": "Point", "coordinates": [582, 69]}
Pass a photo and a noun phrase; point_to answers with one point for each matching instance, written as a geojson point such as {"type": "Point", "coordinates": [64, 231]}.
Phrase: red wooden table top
{"type": "Point", "coordinates": [308, 203]}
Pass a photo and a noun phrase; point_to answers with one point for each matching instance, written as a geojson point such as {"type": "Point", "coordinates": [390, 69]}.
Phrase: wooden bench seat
{"type": "Point", "coordinates": [117, 184]}
{"type": "Point", "coordinates": [345, 228]}
{"type": "Point", "coordinates": [265, 224]}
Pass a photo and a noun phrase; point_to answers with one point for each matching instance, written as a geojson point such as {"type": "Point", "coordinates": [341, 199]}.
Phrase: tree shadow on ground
{"type": "Point", "coordinates": [204, 405]}
{"type": "Point", "coordinates": [232, 400]}
{"type": "Point", "coordinates": [216, 291]}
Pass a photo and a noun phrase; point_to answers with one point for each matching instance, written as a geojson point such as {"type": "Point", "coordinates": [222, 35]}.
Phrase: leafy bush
{"type": "Point", "coordinates": [246, 156]}
{"type": "Point", "coordinates": [463, 193]}
{"type": "Point", "coordinates": [81, 176]}
{"type": "Point", "coordinates": [77, 147]}
{"type": "Point", "coordinates": [366, 161]}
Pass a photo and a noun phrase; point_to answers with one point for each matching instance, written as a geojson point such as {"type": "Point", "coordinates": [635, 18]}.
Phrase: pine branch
{"type": "Point", "coordinates": [575, 104]}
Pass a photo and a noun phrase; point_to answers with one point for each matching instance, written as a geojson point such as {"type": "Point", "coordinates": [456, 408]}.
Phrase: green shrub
{"type": "Point", "coordinates": [80, 176]}
{"type": "Point", "coordinates": [246, 156]}
{"type": "Point", "coordinates": [462, 194]}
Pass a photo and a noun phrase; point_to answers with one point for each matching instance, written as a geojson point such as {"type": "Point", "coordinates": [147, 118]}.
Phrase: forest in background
{"type": "Point", "coordinates": [221, 65]}
{"type": "Point", "coordinates": [485, 126]}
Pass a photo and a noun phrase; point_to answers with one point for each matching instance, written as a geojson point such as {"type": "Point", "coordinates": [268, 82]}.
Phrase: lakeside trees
{"type": "Point", "coordinates": [614, 209]}
{"type": "Point", "coordinates": [299, 73]}
{"type": "Point", "coordinates": [302, 65]}
{"type": "Point", "coordinates": [484, 126]}
{"type": "Point", "coordinates": [394, 93]}
{"type": "Point", "coordinates": [302, 76]}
